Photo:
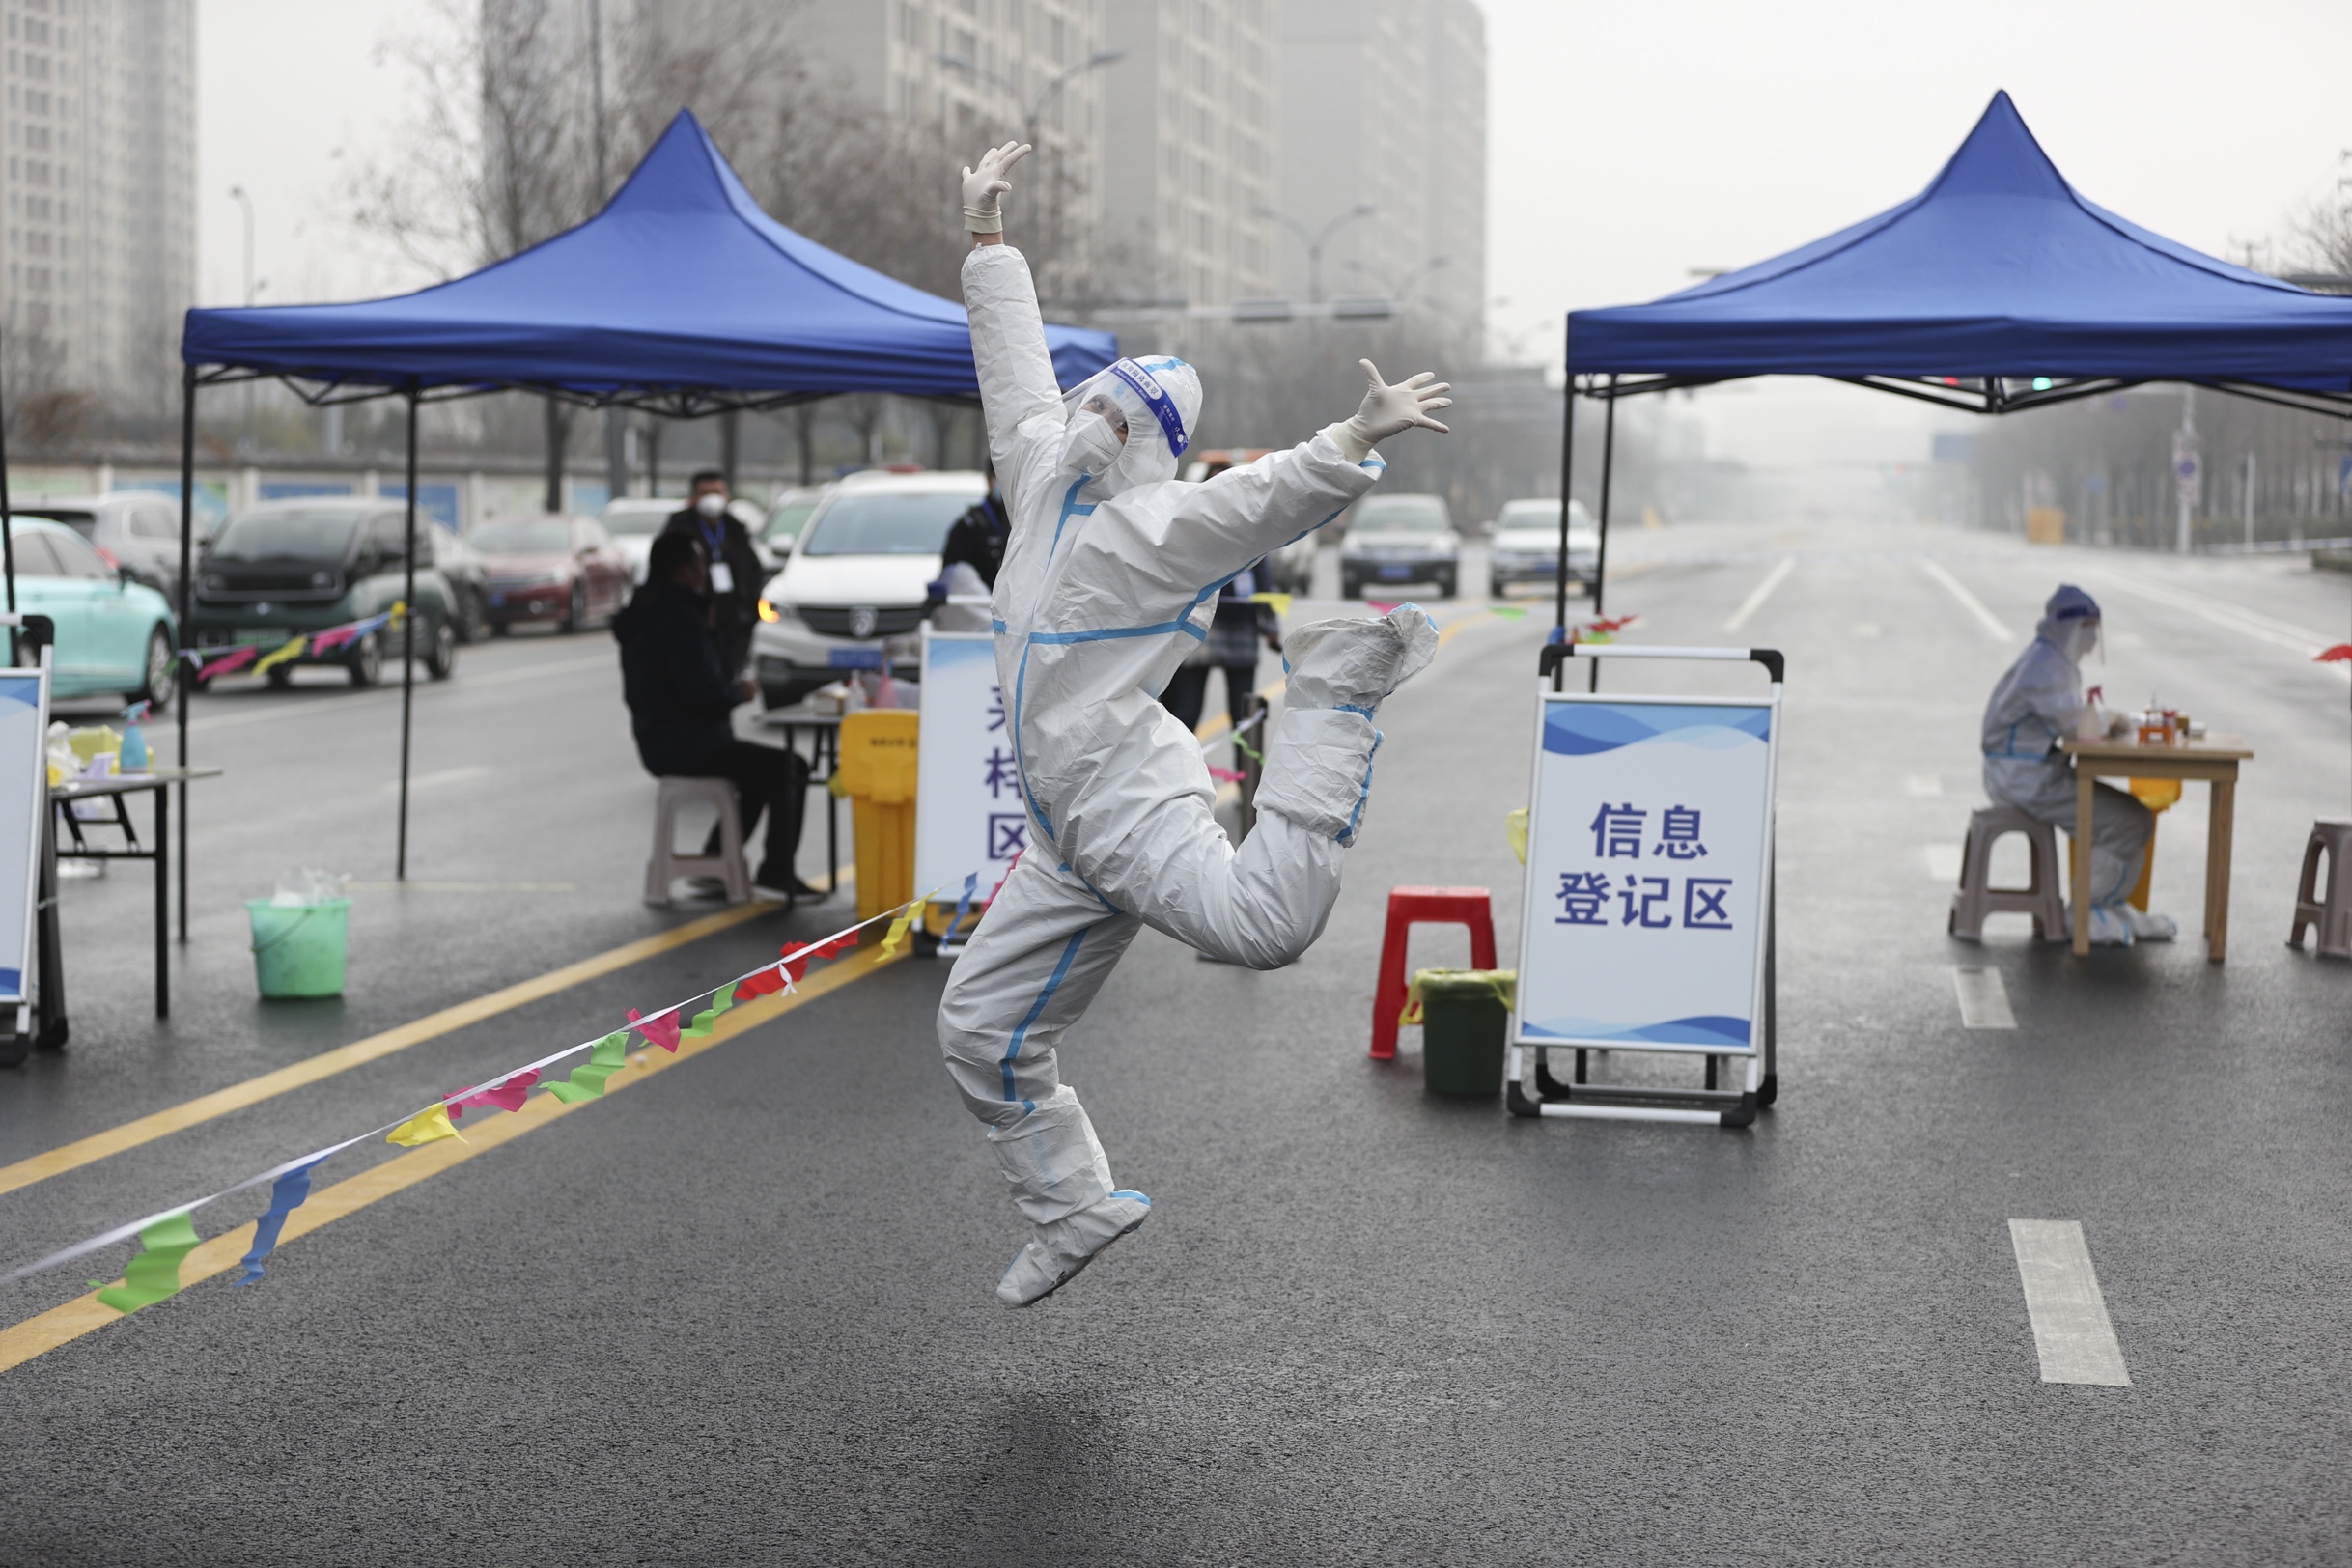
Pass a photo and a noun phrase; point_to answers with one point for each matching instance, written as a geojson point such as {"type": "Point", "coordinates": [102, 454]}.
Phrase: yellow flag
{"type": "Point", "coordinates": [284, 652]}
{"type": "Point", "coordinates": [424, 1127]}
{"type": "Point", "coordinates": [1279, 602]}
{"type": "Point", "coordinates": [1515, 828]}
{"type": "Point", "coordinates": [896, 936]}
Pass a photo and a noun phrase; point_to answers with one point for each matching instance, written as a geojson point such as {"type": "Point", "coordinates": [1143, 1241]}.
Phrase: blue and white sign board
{"type": "Point", "coordinates": [968, 812]}
{"type": "Point", "coordinates": [1649, 880]}
{"type": "Point", "coordinates": [24, 800]}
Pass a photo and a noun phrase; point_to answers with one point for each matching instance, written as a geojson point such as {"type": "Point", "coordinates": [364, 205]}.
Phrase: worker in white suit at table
{"type": "Point", "coordinates": [1110, 578]}
{"type": "Point", "coordinates": [2039, 702]}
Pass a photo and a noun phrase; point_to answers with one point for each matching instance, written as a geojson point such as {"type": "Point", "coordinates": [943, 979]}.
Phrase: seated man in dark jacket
{"type": "Point", "coordinates": [680, 695]}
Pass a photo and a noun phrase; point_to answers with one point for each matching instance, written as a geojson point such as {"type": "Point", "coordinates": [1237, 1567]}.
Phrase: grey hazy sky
{"type": "Point", "coordinates": [1631, 140]}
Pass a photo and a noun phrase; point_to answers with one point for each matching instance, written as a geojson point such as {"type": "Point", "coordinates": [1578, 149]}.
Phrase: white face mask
{"type": "Point", "coordinates": [711, 506]}
{"type": "Point", "coordinates": [1090, 446]}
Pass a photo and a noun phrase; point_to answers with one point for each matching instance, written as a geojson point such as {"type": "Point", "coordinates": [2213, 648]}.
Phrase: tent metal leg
{"type": "Point", "coordinates": [407, 646]}
{"type": "Point", "coordinates": [186, 687]}
{"type": "Point", "coordinates": [1560, 600]}
{"type": "Point", "coordinates": [1600, 565]}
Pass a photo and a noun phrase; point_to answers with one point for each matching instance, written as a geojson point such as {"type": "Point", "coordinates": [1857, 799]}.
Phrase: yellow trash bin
{"type": "Point", "coordinates": [876, 772]}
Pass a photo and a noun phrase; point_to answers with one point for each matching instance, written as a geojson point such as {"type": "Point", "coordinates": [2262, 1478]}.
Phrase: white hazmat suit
{"type": "Point", "coordinates": [1110, 577]}
{"type": "Point", "coordinates": [2035, 704]}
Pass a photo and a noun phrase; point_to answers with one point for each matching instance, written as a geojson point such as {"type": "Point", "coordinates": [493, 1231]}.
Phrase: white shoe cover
{"type": "Point", "coordinates": [1053, 1257]}
{"type": "Point", "coordinates": [2148, 926]}
{"type": "Point", "coordinates": [2108, 929]}
{"type": "Point", "coordinates": [1354, 663]}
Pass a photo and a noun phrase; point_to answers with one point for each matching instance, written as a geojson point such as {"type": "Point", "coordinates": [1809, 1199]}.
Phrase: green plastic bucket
{"type": "Point", "coordinates": [297, 948]}
{"type": "Point", "coordinates": [1465, 1016]}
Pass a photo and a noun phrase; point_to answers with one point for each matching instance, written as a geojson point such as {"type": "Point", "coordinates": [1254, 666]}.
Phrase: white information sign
{"type": "Point", "coordinates": [968, 812]}
{"type": "Point", "coordinates": [24, 800]}
{"type": "Point", "coordinates": [1649, 865]}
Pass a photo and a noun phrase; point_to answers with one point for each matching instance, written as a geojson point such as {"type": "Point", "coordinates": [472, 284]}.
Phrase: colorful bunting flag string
{"type": "Point", "coordinates": [963, 906]}
{"type": "Point", "coordinates": [262, 658]}
{"type": "Point", "coordinates": [285, 1195]}
{"type": "Point", "coordinates": [167, 1236]}
{"type": "Point", "coordinates": [154, 1272]}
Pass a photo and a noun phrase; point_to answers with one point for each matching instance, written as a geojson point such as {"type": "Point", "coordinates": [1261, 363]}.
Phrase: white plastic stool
{"type": "Point", "coordinates": [2331, 915]}
{"type": "Point", "coordinates": [667, 865]}
{"type": "Point", "coordinates": [1977, 898]}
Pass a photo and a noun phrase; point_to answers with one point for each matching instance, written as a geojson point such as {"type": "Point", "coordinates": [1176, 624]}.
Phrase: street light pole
{"type": "Point", "coordinates": [1035, 110]}
{"type": "Point", "coordinates": [1314, 242]}
{"type": "Point", "coordinates": [246, 202]}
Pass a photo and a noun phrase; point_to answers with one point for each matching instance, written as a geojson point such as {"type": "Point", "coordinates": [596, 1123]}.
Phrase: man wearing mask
{"type": "Point", "coordinates": [679, 699]}
{"type": "Point", "coordinates": [736, 574]}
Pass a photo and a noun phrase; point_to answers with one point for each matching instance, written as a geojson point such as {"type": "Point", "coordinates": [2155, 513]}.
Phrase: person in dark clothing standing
{"type": "Point", "coordinates": [735, 574]}
{"type": "Point", "coordinates": [968, 560]}
{"type": "Point", "coordinates": [680, 693]}
{"type": "Point", "coordinates": [1231, 646]}
{"type": "Point", "coordinates": [978, 537]}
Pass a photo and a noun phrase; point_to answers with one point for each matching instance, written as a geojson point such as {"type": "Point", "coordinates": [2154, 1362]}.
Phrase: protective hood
{"type": "Point", "coordinates": [1161, 398]}
{"type": "Point", "coordinates": [2070, 622]}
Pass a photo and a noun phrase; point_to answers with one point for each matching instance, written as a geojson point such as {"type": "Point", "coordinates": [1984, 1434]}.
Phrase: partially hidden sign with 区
{"type": "Point", "coordinates": [968, 812]}
{"type": "Point", "coordinates": [1649, 865]}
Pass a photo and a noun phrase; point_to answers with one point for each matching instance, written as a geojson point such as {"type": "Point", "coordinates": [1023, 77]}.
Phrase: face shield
{"type": "Point", "coordinates": [1157, 401]}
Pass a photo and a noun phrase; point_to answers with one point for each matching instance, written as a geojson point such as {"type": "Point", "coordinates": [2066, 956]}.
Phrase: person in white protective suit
{"type": "Point", "coordinates": [2035, 704]}
{"type": "Point", "coordinates": [1109, 576]}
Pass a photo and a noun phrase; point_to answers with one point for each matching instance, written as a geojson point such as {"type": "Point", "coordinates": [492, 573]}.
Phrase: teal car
{"type": "Point", "coordinates": [281, 568]}
{"type": "Point", "coordinates": [114, 634]}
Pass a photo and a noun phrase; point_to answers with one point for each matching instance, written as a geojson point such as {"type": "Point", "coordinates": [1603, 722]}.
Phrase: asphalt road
{"type": "Point", "coordinates": [742, 1312]}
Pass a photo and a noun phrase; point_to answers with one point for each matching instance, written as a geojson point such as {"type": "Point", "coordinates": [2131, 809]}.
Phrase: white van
{"type": "Point", "coordinates": [850, 595]}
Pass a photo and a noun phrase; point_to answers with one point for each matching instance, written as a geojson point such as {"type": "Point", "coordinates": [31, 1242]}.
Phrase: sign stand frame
{"type": "Point", "coordinates": [1528, 1065]}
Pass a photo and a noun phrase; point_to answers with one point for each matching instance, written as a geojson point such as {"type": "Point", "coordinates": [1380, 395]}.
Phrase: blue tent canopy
{"type": "Point", "coordinates": [1996, 288]}
{"type": "Point", "coordinates": [680, 294]}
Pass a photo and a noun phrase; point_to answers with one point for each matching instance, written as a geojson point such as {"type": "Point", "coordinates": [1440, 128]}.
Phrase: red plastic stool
{"type": "Point", "coordinates": [1410, 906]}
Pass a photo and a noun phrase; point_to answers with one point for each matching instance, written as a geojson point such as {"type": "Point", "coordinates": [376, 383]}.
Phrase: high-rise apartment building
{"type": "Point", "coordinates": [976, 68]}
{"type": "Point", "coordinates": [1189, 148]}
{"type": "Point", "coordinates": [100, 195]}
{"type": "Point", "coordinates": [1382, 106]}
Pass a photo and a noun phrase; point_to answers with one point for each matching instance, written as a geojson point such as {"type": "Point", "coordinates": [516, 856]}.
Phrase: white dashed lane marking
{"type": "Point", "coordinates": [1943, 863]}
{"type": "Point", "coordinates": [1969, 601]}
{"type": "Point", "coordinates": [2071, 1333]}
{"type": "Point", "coordinates": [1754, 602]}
{"type": "Point", "coordinates": [1984, 1001]}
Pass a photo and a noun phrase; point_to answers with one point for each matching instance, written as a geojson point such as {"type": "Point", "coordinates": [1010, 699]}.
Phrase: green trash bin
{"type": "Point", "coordinates": [1464, 1014]}
{"type": "Point", "coordinates": [297, 948]}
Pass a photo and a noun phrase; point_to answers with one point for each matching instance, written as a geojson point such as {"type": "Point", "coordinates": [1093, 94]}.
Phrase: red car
{"type": "Point", "coordinates": [565, 570]}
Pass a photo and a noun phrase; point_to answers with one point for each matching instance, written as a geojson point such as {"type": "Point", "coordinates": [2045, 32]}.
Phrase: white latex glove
{"type": "Point", "coordinates": [983, 210]}
{"type": "Point", "coordinates": [1388, 410]}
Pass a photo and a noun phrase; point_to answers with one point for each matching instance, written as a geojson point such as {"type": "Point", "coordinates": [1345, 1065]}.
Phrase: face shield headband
{"type": "Point", "coordinates": [1140, 381]}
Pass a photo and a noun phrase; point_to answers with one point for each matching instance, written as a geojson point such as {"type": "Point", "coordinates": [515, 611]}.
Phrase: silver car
{"type": "Point", "coordinates": [850, 595]}
{"type": "Point", "coordinates": [1393, 539]}
{"type": "Point", "coordinates": [1526, 546]}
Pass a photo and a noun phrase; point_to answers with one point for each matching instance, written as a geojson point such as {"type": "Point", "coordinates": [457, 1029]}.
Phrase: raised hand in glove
{"type": "Point", "coordinates": [1390, 409]}
{"type": "Point", "coordinates": [984, 186]}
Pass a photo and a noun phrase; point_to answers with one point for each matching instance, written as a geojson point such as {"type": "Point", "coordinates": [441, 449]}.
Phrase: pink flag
{"type": "Point", "coordinates": [506, 1094]}
{"type": "Point", "coordinates": [1226, 775]}
{"type": "Point", "coordinates": [659, 1031]}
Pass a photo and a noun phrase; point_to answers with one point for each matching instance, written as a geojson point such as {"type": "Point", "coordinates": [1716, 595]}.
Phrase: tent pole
{"type": "Point", "coordinates": [730, 443]}
{"type": "Point", "coordinates": [8, 534]}
{"type": "Point", "coordinates": [1560, 610]}
{"type": "Point", "coordinates": [1600, 566]}
{"type": "Point", "coordinates": [187, 587]}
{"type": "Point", "coordinates": [408, 645]}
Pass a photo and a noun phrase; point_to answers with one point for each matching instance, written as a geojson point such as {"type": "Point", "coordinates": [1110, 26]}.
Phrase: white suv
{"type": "Point", "coordinates": [851, 597]}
